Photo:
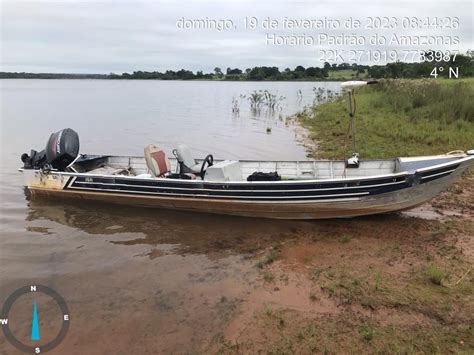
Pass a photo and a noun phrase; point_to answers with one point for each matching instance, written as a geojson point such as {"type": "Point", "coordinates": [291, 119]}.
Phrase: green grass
{"type": "Point", "coordinates": [270, 257]}
{"type": "Point", "coordinates": [275, 315]}
{"type": "Point", "coordinates": [435, 274]}
{"type": "Point", "coordinates": [367, 333]}
{"type": "Point", "coordinates": [290, 334]}
{"type": "Point", "coordinates": [345, 238]}
{"type": "Point", "coordinates": [268, 276]}
{"type": "Point", "coordinates": [398, 118]}
{"type": "Point", "coordinates": [412, 292]}
{"type": "Point", "coordinates": [348, 74]}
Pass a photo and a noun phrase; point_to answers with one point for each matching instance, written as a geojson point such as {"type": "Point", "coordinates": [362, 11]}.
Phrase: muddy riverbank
{"type": "Point", "coordinates": [235, 285]}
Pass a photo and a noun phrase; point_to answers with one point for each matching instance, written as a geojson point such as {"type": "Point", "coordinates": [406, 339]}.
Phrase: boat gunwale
{"type": "Point", "coordinates": [458, 161]}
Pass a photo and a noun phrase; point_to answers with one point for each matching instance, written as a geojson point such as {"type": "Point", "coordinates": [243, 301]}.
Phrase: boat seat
{"type": "Point", "coordinates": [185, 157]}
{"type": "Point", "coordinates": [156, 161]}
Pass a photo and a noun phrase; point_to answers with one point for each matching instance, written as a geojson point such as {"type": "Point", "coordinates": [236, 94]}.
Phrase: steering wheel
{"type": "Point", "coordinates": [209, 160]}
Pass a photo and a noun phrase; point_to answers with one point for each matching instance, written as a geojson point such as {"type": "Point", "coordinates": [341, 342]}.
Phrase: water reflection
{"type": "Point", "coordinates": [201, 233]}
{"type": "Point", "coordinates": [195, 233]}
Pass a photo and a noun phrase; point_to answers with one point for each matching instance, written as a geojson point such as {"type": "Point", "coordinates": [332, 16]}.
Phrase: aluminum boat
{"type": "Point", "coordinates": [306, 190]}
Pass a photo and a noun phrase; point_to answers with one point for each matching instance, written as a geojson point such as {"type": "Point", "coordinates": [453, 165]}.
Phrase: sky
{"type": "Point", "coordinates": [118, 36]}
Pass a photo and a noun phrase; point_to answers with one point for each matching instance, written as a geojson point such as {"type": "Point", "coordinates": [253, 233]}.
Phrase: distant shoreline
{"type": "Point", "coordinates": [188, 80]}
{"type": "Point", "coordinates": [255, 74]}
{"type": "Point", "coordinates": [462, 65]}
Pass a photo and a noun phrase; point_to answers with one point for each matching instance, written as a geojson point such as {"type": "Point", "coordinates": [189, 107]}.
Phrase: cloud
{"type": "Point", "coordinates": [118, 36]}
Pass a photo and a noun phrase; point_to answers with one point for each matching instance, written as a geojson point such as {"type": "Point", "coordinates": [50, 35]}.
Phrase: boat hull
{"type": "Point", "coordinates": [405, 197]}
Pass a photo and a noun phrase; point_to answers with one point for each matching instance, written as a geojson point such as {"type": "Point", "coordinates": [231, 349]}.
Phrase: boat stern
{"type": "Point", "coordinates": [37, 179]}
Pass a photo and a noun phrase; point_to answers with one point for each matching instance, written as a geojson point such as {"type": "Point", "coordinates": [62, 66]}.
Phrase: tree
{"type": "Point", "coordinates": [313, 72]}
{"type": "Point", "coordinates": [218, 72]}
{"type": "Point", "coordinates": [344, 66]}
{"type": "Point", "coordinates": [235, 71]}
{"type": "Point", "coordinates": [184, 74]}
{"type": "Point", "coordinates": [261, 73]}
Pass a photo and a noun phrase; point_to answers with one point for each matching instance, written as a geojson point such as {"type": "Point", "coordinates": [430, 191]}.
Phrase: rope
{"type": "Point", "coordinates": [462, 277]}
{"type": "Point", "coordinates": [344, 148]}
{"type": "Point", "coordinates": [455, 152]}
{"type": "Point", "coordinates": [350, 127]}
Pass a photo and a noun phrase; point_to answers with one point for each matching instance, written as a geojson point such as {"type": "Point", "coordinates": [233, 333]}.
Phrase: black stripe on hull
{"type": "Point", "coordinates": [292, 195]}
{"type": "Point", "coordinates": [245, 186]}
{"type": "Point", "coordinates": [431, 175]}
{"type": "Point", "coordinates": [258, 192]}
{"type": "Point", "coordinates": [440, 170]}
{"type": "Point", "coordinates": [229, 193]}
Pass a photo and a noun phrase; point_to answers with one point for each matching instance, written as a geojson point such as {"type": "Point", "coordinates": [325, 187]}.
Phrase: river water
{"type": "Point", "coordinates": [136, 280]}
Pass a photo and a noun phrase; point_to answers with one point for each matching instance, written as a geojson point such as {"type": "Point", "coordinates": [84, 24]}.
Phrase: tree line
{"type": "Point", "coordinates": [464, 63]}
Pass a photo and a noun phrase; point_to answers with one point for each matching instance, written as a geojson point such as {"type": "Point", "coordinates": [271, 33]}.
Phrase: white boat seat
{"type": "Point", "coordinates": [156, 160]}
{"type": "Point", "coordinates": [184, 155]}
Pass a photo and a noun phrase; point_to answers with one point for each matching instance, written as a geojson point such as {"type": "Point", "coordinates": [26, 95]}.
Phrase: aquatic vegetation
{"type": "Point", "coordinates": [272, 101]}
{"type": "Point", "coordinates": [265, 99]}
{"type": "Point", "coordinates": [236, 102]}
{"type": "Point", "coordinates": [256, 100]}
{"type": "Point", "coordinates": [261, 102]}
{"type": "Point", "coordinates": [299, 96]}
{"type": "Point", "coordinates": [323, 95]}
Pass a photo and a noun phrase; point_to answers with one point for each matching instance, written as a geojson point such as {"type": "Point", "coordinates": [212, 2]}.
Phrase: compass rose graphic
{"type": "Point", "coordinates": [34, 342]}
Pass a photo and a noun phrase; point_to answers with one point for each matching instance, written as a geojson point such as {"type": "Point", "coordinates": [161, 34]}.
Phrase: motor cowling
{"type": "Point", "coordinates": [62, 148]}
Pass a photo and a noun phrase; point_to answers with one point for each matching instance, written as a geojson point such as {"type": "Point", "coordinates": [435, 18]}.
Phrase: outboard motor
{"type": "Point", "coordinates": [61, 150]}
{"type": "Point", "coordinates": [36, 160]}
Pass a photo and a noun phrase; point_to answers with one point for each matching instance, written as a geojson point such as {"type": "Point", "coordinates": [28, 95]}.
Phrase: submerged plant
{"type": "Point", "coordinates": [265, 99]}
{"type": "Point", "coordinates": [323, 95]}
{"type": "Point", "coordinates": [299, 96]}
{"type": "Point", "coordinates": [256, 100]}
{"type": "Point", "coordinates": [236, 104]}
{"type": "Point", "coordinates": [272, 101]}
